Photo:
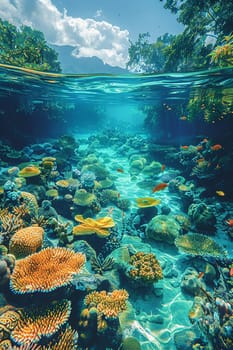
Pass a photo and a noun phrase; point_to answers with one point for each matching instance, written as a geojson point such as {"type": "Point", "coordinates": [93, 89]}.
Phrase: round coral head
{"type": "Point", "coordinates": [29, 171]}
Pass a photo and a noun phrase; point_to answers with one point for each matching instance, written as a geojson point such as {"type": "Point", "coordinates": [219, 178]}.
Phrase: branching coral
{"type": "Point", "coordinates": [36, 323]}
{"type": "Point", "coordinates": [108, 304]}
{"type": "Point", "coordinates": [89, 226]}
{"type": "Point", "coordinates": [9, 224]}
{"type": "Point", "coordinates": [26, 241]}
{"type": "Point", "coordinates": [145, 267]}
{"type": "Point", "coordinates": [45, 271]}
{"type": "Point", "coordinates": [198, 244]}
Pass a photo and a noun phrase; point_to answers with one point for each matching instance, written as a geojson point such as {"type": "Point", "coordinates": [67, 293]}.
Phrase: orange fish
{"type": "Point", "coordinates": [199, 148]}
{"type": "Point", "coordinates": [183, 117]}
{"type": "Point", "coordinates": [200, 275]}
{"type": "Point", "coordinates": [231, 272]}
{"type": "Point", "coordinates": [163, 167]}
{"type": "Point", "coordinates": [184, 147]}
{"type": "Point", "coordinates": [159, 187]}
{"type": "Point", "coordinates": [120, 170]}
{"type": "Point", "coordinates": [230, 222]}
{"type": "Point", "coordinates": [220, 193]}
{"type": "Point", "coordinates": [204, 140]}
{"type": "Point", "coordinates": [216, 147]}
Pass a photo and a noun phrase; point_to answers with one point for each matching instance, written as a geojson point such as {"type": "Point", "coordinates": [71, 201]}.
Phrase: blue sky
{"type": "Point", "coordinates": [100, 28]}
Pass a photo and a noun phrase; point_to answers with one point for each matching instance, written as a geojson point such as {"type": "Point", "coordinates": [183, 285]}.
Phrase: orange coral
{"type": "Point", "coordinates": [38, 322]}
{"type": "Point", "coordinates": [45, 271]}
{"type": "Point", "coordinates": [145, 267]}
{"type": "Point", "coordinates": [26, 241]}
{"type": "Point", "coordinates": [29, 171]}
{"type": "Point", "coordinates": [89, 226]}
{"type": "Point", "coordinates": [108, 304]}
{"type": "Point", "coordinates": [66, 340]}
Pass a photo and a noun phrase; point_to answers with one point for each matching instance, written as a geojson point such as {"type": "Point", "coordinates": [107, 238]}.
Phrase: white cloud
{"type": "Point", "coordinates": [89, 37]}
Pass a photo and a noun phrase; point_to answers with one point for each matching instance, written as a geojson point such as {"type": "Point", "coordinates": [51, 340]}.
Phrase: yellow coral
{"type": "Point", "coordinates": [145, 267]}
{"type": "Point", "coordinates": [30, 171]}
{"type": "Point", "coordinates": [26, 241]}
{"type": "Point", "coordinates": [108, 304]}
{"type": "Point", "coordinates": [147, 202]}
{"type": "Point", "coordinates": [89, 226]}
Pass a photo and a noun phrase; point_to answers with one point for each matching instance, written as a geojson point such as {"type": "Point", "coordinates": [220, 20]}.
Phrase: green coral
{"type": "Point", "coordinates": [163, 228]}
{"type": "Point", "coordinates": [130, 343]}
{"type": "Point", "coordinates": [154, 168]}
{"type": "Point", "coordinates": [198, 244]}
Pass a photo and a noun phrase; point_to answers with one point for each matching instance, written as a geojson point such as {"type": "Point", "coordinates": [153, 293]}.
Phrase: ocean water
{"type": "Point", "coordinates": [165, 138]}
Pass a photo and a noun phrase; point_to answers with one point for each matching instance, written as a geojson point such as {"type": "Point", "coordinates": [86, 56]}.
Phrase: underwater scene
{"type": "Point", "coordinates": [116, 212]}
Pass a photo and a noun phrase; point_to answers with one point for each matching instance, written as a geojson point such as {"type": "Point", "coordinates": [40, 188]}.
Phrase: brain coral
{"type": "Point", "coordinates": [45, 271]}
{"type": "Point", "coordinates": [108, 304]}
{"type": "Point", "coordinates": [163, 228]}
{"type": "Point", "coordinates": [36, 323]}
{"type": "Point", "coordinates": [26, 241]}
{"type": "Point", "coordinates": [198, 244]}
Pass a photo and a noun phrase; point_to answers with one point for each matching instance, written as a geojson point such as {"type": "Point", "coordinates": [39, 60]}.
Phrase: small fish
{"type": "Point", "coordinates": [163, 167]}
{"type": "Point", "coordinates": [184, 147]}
{"type": "Point", "coordinates": [200, 275]}
{"type": "Point", "coordinates": [220, 193]}
{"type": "Point", "coordinates": [183, 117]}
{"type": "Point", "coordinates": [110, 211]}
{"type": "Point", "coordinates": [205, 140]}
{"type": "Point", "coordinates": [230, 222]}
{"type": "Point", "coordinates": [118, 195]}
{"type": "Point", "coordinates": [120, 170]}
{"type": "Point", "coordinates": [216, 147]}
{"type": "Point", "coordinates": [159, 187]}
{"type": "Point", "coordinates": [199, 148]}
{"type": "Point", "coordinates": [231, 272]}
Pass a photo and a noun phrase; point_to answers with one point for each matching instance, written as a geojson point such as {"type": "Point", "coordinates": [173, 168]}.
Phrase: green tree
{"type": "Point", "coordinates": [26, 47]}
{"type": "Point", "coordinates": [148, 57]}
{"type": "Point", "coordinates": [204, 21]}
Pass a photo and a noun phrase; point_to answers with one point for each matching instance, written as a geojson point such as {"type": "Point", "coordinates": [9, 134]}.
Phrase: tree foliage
{"type": "Point", "coordinates": [26, 47]}
{"type": "Point", "coordinates": [207, 24]}
{"type": "Point", "coordinates": [148, 57]}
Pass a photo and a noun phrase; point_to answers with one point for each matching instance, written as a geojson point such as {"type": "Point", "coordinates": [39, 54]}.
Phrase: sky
{"type": "Point", "coordinates": [93, 28]}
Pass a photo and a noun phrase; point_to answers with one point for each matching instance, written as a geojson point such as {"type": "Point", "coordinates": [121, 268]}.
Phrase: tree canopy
{"type": "Point", "coordinates": [208, 26]}
{"type": "Point", "coordinates": [26, 47]}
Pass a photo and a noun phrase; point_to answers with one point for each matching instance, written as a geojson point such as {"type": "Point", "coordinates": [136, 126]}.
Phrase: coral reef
{"type": "Point", "coordinates": [45, 271]}
{"type": "Point", "coordinates": [26, 241]}
{"type": "Point", "coordinates": [144, 269]}
{"type": "Point", "coordinates": [163, 228]}
{"type": "Point", "coordinates": [89, 226]}
{"type": "Point", "coordinates": [36, 323]}
{"type": "Point", "coordinates": [202, 217]}
{"type": "Point", "coordinates": [198, 244]}
{"type": "Point", "coordinates": [108, 304]}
